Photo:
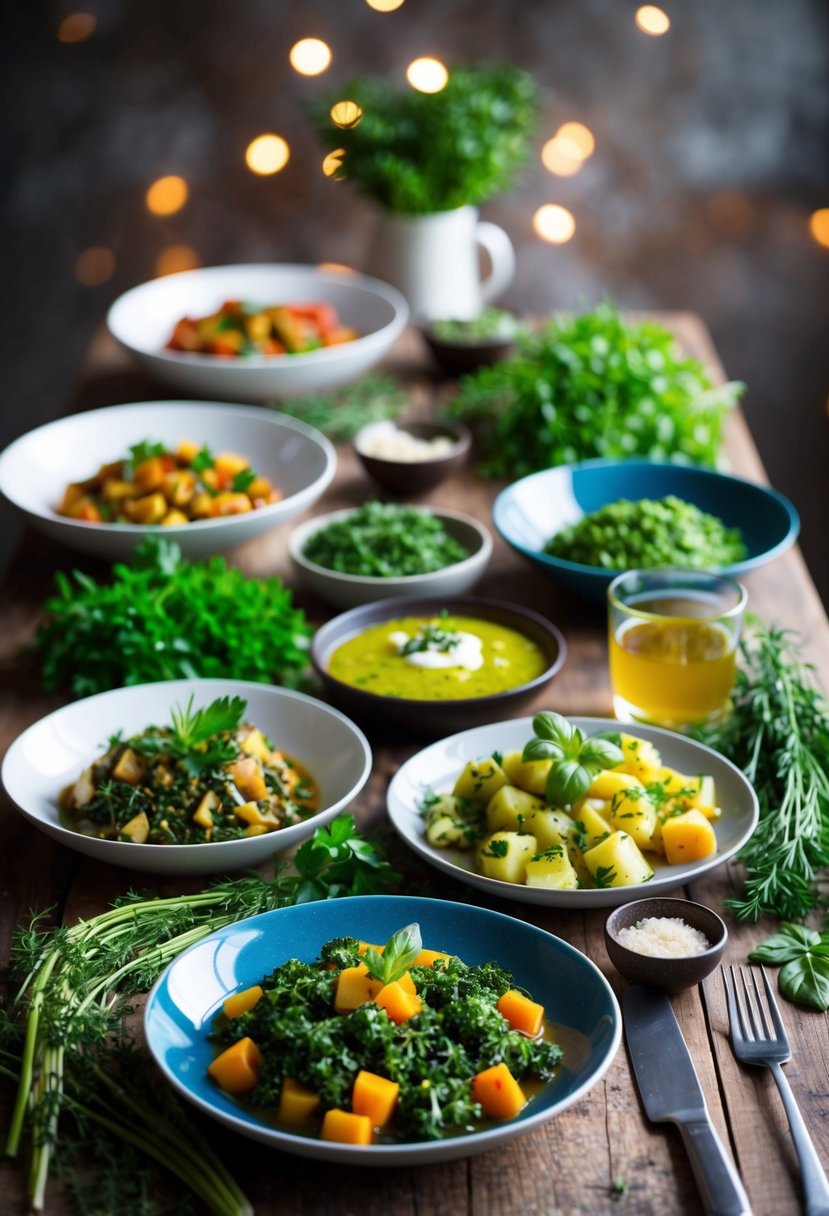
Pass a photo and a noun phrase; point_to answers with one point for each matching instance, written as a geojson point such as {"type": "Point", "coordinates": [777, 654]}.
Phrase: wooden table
{"type": "Point", "coordinates": [572, 1164]}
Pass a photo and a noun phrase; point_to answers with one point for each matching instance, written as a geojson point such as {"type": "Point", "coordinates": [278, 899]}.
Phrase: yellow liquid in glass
{"type": "Point", "coordinates": [677, 670]}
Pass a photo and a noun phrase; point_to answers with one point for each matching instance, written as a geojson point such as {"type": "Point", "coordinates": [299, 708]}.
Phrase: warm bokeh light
{"type": "Point", "coordinates": [384, 6]}
{"type": "Point", "coordinates": [77, 27]}
{"type": "Point", "coordinates": [94, 266]}
{"type": "Point", "coordinates": [336, 267]}
{"type": "Point", "coordinates": [346, 113]}
{"type": "Point", "coordinates": [167, 195]}
{"type": "Point", "coordinates": [819, 226]}
{"type": "Point", "coordinates": [267, 154]}
{"type": "Point", "coordinates": [557, 160]}
{"type": "Point", "coordinates": [652, 20]}
{"type": "Point", "coordinates": [427, 75]}
{"type": "Point", "coordinates": [576, 140]}
{"type": "Point", "coordinates": [175, 258]}
{"type": "Point", "coordinates": [333, 162]}
{"type": "Point", "coordinates": [554, 223]}
{"type": "Point", "coordinates": [310, 56]}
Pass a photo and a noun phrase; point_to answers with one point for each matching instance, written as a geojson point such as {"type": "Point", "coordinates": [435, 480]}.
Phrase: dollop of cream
{"type": "Point", "coordinates": [467, 654]}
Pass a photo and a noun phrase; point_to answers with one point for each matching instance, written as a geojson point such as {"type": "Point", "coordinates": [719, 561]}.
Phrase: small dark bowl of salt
{"type": "Point", "coordinates": [671, 944]}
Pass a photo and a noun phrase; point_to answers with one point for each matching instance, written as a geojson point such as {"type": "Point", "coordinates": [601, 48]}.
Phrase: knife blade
{"type": "Point", "coordinates": [671, 1093]}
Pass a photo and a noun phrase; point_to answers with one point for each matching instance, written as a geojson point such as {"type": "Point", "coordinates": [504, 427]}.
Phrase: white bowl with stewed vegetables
{"type": "Point", "coordinates": [53, 754]}
{"type": "Point", "coordinates": [434, 772]}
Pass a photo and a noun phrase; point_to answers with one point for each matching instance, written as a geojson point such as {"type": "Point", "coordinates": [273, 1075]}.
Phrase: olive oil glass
{"type": "Point", "coordinates": [673, 637]}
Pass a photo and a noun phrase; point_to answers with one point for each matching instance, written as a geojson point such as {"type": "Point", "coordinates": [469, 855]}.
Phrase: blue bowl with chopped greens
{"type": "Point", "coordinates": [578, 1001]}
{"type": "Point", "coordinates": [642, 515]}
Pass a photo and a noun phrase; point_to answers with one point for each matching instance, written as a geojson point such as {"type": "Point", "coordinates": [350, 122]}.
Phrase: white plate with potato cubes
{"type": "Point", "coordinates": [594, 840]}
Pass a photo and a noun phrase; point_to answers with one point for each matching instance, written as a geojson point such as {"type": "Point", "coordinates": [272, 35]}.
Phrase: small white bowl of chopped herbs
{"type": "Point", "coordinates": [187, 776]}
{"type": "Point", "coordinates": [583, 524]}
{"type": "Point", "coordinates": [383, 550]}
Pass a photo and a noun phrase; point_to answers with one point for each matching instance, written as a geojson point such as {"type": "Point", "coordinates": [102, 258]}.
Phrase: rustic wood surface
{"type": "Point", "coordinates": [601, 1155]}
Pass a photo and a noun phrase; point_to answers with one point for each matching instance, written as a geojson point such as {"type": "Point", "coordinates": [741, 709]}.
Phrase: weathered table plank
{"type": "Point", "coordinates": [599, 1156]}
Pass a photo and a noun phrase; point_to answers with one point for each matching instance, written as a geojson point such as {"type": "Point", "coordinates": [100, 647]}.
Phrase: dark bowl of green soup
{"type": "Point", "coordinates": [436, 665]}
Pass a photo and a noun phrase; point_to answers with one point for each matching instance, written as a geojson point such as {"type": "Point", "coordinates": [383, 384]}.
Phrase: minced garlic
{"type": "Point", "coordinates": [389, 442]}
{"type": "Point", "coordinates": [663, 937]}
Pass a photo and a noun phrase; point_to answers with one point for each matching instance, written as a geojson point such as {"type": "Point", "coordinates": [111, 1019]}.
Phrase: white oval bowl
{"type": "Point", "coordinates": [436, 767]}
{"type": "Point", "coordinates": [142, 320]}
{"type": "Point", "coordinates": [351, 590]}
{"type": "Point", "coordinates": [36, 469]}
{"type": "Point", "coordinates": [53, 753]}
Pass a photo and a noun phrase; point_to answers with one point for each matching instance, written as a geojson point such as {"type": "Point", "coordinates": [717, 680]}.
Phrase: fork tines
{"type": "Point", "coordinates": [756, 1020]}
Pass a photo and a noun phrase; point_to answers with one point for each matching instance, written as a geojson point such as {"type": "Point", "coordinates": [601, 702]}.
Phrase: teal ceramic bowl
{"type": "Point", "coordinates": [185, 1000]}
{"type": "Point", "coordinates": [530, 511]}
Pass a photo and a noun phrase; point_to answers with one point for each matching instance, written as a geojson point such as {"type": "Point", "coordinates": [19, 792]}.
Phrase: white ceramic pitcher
{"type": "Point", "coordinates": [433, 260]}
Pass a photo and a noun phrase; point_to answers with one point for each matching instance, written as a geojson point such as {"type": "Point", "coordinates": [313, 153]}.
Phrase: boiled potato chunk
{"type": "Point", "coordinates": [509, 807]}
{"type": "Point", "coordinates": [594, 825]}
{"type": "Point", "coordinates": [688, 837]}
{"type": "Point", "coordinates": [641, 759]}
{"type": "Point", "coordinates": [550, 827]}
{"type": "Point", "coordinates": [703, 798]}
{"type": "Point", "coordinates": [608, 783]}
{"type": "Point", "coordinates": [617, 862]}
{"type": "Point", "coordinates": [504, 855]}
{"type": "Point", "coordinates": [552, 870]}
{"type": "Point", "coordinates": [480, 780]}
{"type": "Point", "coordinates": [634, 812]}
{"type": "Point", "coordinates": [529, 775]}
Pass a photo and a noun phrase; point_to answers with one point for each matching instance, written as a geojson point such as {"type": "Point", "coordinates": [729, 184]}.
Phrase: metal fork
{"type": "Point", "coordinates": [759, 1037]}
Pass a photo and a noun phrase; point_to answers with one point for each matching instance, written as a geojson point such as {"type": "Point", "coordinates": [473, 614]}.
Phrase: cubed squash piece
{"type": "Point", "coordinates": [529, 775]}
{"type": "Point", "coordinates": [174, 518]}
{"type": "Point", "coordinates": [673, 782]}
{"type": "Point", "coordinates": [632, 811]}
{"type": "Point", "coordinates": [129, 768]}
{"type": "Point", "coordinates": [480, 780]}
{"type": "Point", "coordinates": [256, 816]}
{"type": "Point", "coordinates": [230, 503]}
{"type": "Point", "coordinates": [504, 855]}
{"type": "Point", "coordinates": [149, 474]}
{"type": "Point", "coordinates": [428, 958]}
{"type": "Point", "coordinates": [617, 862]}
{"type": "Point", "coordinates": [500, 1095]}
{"type": "Point", "coordinates": [399, 1003]}
{"type": "Point", "coordinates": [297, 1103]}
{"type": "Point", "coordinates": [688, 837]}
{"type": "Point", "coordinates": [150, 509]}
{"type": "Point", "coordinates": [355, 987]}
{"type": "Point", "coordinates": [187, 451]}
{"type": "Point", "coordinates": [236, 1070]}
{"type": "Point", "coordinates": [549, 827]}
{"type": "Point", "coordinates": [137, 829]}
{"type": "Point", "coordinates": [228, 464]}
{"type": "Point", "coordinates": [608, 783]}
{"type": "Point", "coordinates": [375, 1097]}
{"type": "Point", "coordinates": [248, 778]}
{"type": "Point", "coordinates": [344, 1127]}
{"type": "Point", "coordinates": [509, 807]}
{"type": "Point", "coordinates": [521, 1013]}
{"type": "Point", "coordinates": [552, 870]}
{"type": "Point", "coordinates": [242, 1002]}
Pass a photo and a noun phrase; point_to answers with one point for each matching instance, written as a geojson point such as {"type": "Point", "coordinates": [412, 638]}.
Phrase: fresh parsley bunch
{"type": "Point", "coordinates": [165, 618]}
{"type": "Point", "coordinates": [590, 386]}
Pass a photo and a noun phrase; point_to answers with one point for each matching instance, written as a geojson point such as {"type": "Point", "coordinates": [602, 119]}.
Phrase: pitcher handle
{"type": "Point", "coordinates": [498, 248]}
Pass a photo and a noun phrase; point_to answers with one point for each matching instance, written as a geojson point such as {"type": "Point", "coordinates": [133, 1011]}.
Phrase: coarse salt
{"type": "Point", "coordinates": [663, 937]}
{"type": "Point", "coordinates": [389, 442]}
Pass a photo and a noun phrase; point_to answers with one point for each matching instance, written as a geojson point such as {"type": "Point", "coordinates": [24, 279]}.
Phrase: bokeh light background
{"type": "Point", "coordinates": [682, 163]}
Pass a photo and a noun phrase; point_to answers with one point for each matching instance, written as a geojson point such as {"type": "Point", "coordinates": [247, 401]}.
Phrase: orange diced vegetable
{"type": "Point", "coordinates": [236, 1070]}
{"type": "Point", "coordinates": [374, 1096]}
{"type": "Point", "coordinates": [399, 1004]}
{"type": "Point", "coordinates": [174, 518]}
{"type": "Point", "coordinates": [149, 474]}
{"type": "Point", "coordinates": [428, 958]}
{"type": "Point", "coordinates": [296, 1102]}
{"type": "Point", "coordinates": [242, 1002]}
{"type": "Point", "coordinates": [248, 778]}
{"type": "Point", "coordinates": [150, 509]}
{"type": "Point", "coordinates": [355, 987]}
{"type": "Point", "coordinates": [230, 503]}
{"type": "Point", "coordinates": [688, 837]}
{"type": "Point", "coordinates": [86, 510]}
{"type": "Point", "coordinates": [498, 1092]}
{"type": "Point", "coordinates": [187, 451]}
{"type": "Point", "coordinates": [230, 463]}
{"type": "Point", "coordinates": [521, 1013]}
{"type": "Point", "coordinates": [407, 983]}
{"type": "Point", "coordinates": [346, 1128]}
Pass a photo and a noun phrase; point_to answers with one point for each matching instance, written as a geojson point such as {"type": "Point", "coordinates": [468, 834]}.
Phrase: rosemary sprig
{"type": "Point", "coordinates": [76, 983]}
{"type": "Point", "coordinates": [778, 734]}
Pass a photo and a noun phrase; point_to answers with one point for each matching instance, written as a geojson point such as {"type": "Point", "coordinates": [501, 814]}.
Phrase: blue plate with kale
{"type": "Point", "coordinates": [336, 1030]}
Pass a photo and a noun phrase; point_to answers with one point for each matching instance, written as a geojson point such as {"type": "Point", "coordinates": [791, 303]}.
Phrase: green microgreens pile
{"type": "Point", "coordinates": [385, 540]}
{"type": "Point", "coordinates": [62, 1035]}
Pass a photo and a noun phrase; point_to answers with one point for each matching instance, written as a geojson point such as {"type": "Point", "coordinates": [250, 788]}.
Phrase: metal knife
{"type": "Point", "coordinates": [671, 1093]}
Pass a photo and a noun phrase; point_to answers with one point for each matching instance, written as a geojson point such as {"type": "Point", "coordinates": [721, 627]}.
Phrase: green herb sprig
{"type": "Point", "coordinates": [778, 734]}
{"type": "Point", "coordinates": [594, 385]}
{"type": "Point", "coordinates": [76, 982]}
{"type": "Point", "coordinates": [165, 618]}
{"type": "Point", "coordinates": [803, 958]}
{"type": "Point", "coordinates": [396, 957]}
{"type": "Point", "coordinates": [576, 760]}
{"type": "Point", "coordinates": [345, 411]}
